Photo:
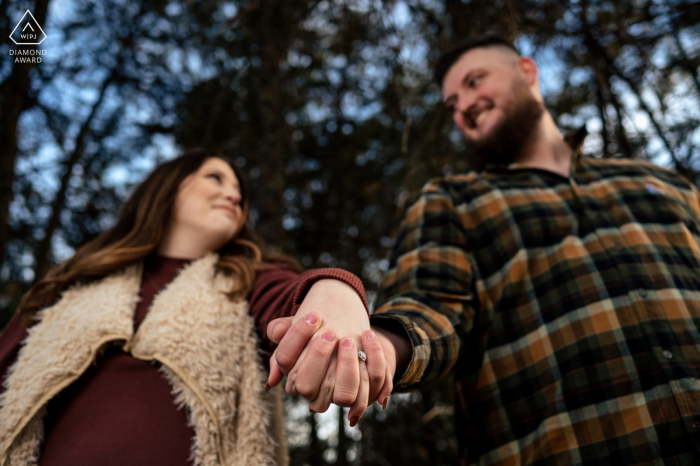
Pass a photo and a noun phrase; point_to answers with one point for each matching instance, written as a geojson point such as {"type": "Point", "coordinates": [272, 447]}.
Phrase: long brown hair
{"type": "Point", "coordinates": [139, 230]}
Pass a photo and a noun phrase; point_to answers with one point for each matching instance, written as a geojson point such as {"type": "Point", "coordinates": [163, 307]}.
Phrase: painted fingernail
{"type": "Point", "coordinates": [327, 336]}
{"type": "Point", "coordinates": [386, 400]}
{"type": "Point", "coordinates": [311, 319]}
{"type": "Point", "coordinates": [370, 335]}
{"type": "Point", "coordinates": [347, 343]}
{"type": "Point", "coordinates": [267, 386]}
{"type": "Point", "coordinates": [354, 420]}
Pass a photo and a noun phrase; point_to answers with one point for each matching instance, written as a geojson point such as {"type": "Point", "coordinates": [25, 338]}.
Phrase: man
{"type": "Point", "coordinates": [561, 292]}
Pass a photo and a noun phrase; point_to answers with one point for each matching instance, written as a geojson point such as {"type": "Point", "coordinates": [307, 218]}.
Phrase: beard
{"type": "Point", "coordinates": [511, 135]}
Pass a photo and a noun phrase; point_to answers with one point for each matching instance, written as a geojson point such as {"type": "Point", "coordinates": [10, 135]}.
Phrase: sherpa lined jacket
{"type": "Point", "coordinates": [205, 344]}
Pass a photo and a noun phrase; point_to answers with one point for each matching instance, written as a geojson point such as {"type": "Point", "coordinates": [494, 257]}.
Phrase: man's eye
{"type": "Point", "coordinates": [474, 81]}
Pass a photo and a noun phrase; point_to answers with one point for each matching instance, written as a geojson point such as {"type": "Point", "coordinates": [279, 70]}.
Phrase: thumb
{"type": "Point", "coordinates": [277, 328]}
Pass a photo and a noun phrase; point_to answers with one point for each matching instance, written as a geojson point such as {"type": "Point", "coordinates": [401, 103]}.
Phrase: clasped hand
{"type": "Point", "coordinates": [318, 352]}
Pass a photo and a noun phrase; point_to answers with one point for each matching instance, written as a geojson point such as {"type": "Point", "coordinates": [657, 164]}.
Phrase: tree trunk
{"type": "Point", "coordinates": [14, 99]}
{"type": "Point", "coordinates": [314, 455]}
{"type": "Point", "coordinates": [343, 441]}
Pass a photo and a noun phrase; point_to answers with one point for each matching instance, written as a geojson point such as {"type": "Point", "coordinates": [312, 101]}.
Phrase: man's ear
{"type": "Point", "coordinates": [528, 68]}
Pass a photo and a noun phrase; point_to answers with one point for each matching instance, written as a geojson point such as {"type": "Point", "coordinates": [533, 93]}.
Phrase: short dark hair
{"type": "Point", "coordinates": [449, 58]}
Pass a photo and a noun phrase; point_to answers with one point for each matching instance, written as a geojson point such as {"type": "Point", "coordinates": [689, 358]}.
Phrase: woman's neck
{"type": "Point", "coordinates": [179, 243]}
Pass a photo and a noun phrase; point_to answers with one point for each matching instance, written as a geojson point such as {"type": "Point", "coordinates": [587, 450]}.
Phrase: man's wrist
{"type": "Point", "coordinates": [403, 351]}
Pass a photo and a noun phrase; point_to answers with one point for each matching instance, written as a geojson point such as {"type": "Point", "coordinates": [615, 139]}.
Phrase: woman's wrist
{"type": "Point", "coordinates": [330, 297]}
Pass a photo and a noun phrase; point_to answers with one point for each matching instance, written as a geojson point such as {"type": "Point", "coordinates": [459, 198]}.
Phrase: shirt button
{"type": "Point", "coordinates": [667, 354]}
{"type": "Point", "coordinates": [642, 292]}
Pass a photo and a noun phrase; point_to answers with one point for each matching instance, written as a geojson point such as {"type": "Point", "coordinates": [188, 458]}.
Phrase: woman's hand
{"type": "Point", "coordinates": [318, 370]}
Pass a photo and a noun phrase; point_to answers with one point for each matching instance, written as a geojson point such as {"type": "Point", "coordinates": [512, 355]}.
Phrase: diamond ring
{"type": "Point", "coordinates": [362, 355]}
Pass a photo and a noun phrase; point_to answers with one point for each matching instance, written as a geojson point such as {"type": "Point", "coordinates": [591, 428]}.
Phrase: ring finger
{"type": "Point", "coordinates": [360, 405]}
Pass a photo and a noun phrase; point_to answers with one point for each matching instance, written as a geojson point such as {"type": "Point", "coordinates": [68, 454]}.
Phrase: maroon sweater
{"type": "Point", "coordinates": [121, 410]}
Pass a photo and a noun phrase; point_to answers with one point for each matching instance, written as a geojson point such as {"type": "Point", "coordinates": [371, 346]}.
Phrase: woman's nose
{"type": "Point", "coordinates": [233, 194]}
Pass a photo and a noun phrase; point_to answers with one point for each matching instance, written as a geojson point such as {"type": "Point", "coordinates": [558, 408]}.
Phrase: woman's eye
{"type": "Point", "coordinates": [214, 176]}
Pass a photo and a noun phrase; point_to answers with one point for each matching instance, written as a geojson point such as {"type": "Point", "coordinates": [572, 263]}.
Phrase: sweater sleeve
{"type": "Point", "coordinates": [278, 291]}
{"type": "Point", "coordinates": [11, 339]}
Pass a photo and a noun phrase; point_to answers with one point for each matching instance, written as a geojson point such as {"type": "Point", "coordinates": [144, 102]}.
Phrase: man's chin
{"type": "Point", "coordinates": [487, 151]}
{"type": "Point", "coordinates": [502, 139]}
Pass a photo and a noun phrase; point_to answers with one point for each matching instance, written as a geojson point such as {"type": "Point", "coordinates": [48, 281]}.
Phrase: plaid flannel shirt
{"type": "Point", "coordinates": [566, 309]}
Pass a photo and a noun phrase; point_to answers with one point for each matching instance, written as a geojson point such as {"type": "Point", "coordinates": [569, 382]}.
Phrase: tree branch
{"type": "Point", "coordinates": [42, 255]}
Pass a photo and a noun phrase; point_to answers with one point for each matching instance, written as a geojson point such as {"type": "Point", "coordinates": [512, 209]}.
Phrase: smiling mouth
{"type": "Point", "coordinates": [227, 209]}
{"type": "Point", "coordinates": [475, 117]}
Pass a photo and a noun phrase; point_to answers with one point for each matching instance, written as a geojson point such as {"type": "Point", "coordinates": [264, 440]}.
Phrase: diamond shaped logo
{"type": "Point", "coordinates": [27, 31]}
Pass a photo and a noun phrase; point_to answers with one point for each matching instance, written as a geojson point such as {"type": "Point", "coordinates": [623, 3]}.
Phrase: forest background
{"type": "Point", "coordinates": [329, 108]}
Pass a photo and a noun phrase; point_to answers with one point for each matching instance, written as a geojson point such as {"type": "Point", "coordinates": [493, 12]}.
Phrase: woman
{"type": "Point", "coordinates": [151, 317]}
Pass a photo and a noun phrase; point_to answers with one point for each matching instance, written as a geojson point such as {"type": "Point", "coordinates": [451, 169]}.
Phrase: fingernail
{"type": "Point", "coordinates": [348, 343]}
{"type": "Point", "coordinates": [312, 411]}
{"type": "Point", "coordinates": [353, 421]}
{"type": "Point", "coordinates": [267, 386]}
{"type": "Point", "coordinates": [311, 319]}
{"type": "Point", "coordinates": [327, 336]}
{"type": "Point", "coordinates": [386, 400]}
{"type": "Point", "coordinates": [370, 335]}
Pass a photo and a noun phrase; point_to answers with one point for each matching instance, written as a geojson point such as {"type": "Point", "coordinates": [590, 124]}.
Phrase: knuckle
{"type": "Point", "coordinates": [318, 351]}
{"type": "Point", "coordinates": [284, 362]}
{"type": "Point", "coordinates": [305, 389]}
{"type": "Point", "coordinates": [344, 397]}
{"type": "Point", "coordinates": [375, 378]}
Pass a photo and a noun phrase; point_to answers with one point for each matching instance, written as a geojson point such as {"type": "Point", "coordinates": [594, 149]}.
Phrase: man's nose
{"type": "Point", "coordinates": [464, 102]}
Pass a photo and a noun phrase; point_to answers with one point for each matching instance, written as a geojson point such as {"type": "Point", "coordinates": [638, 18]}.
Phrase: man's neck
{"type": "Point", "coordinates": [548, 151]}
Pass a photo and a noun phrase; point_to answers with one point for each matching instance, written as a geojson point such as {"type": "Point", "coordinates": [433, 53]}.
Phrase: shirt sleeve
{"type": "Point", "coordinates": [427, 292]}
{"type": "Point", "coordinates": [279, 290]}
{"type": "Point", "coordinates": [694, 200]}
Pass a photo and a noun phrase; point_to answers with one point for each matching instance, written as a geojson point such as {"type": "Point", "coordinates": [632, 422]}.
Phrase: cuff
{"type": "Point", "coordinates": [312, 276]}
{"type": "Point", "coordinates": [394, 325]}
{"type": "Point", "coordinates": [417, 365]}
